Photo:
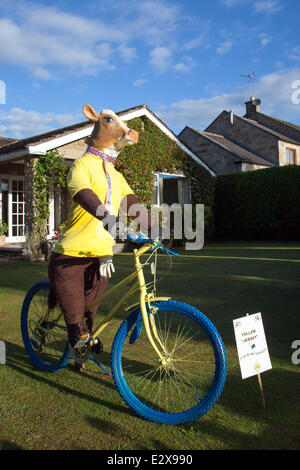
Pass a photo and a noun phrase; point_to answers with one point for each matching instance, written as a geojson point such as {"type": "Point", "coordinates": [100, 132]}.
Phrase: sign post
{"type": "Point", "coordinates": [252, 348]}
{"type": "Point", "coordinates": [2, 352]}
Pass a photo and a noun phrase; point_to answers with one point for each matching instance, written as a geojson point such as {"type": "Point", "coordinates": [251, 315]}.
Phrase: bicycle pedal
{"type": "Point", "coordinates": [97, 346]}
{"type": "Point", "coordinates": [83, 340]}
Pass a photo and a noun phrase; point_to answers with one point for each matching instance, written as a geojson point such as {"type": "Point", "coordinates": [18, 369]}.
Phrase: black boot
{"type": "Point", "coordinates": [78, 333]}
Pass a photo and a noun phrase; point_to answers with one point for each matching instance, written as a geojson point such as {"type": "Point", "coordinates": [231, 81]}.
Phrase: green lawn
{"type": "Point", "coordinates": [225, 281]}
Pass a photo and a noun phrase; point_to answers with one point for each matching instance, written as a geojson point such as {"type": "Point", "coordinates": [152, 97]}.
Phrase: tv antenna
{"type": "Point", "coordinates": [251, 77]}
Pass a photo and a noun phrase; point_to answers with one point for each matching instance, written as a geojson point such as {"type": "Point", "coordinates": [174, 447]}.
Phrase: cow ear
{"type": "Point", "coordinates": [90, 113]}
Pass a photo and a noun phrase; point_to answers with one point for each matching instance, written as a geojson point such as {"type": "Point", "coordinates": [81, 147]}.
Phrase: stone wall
{"type": "Point", "coordinates": [282, 152]}
{"type": "Point", "coordinates": [218, 159]}
{"type": "Point", "coordinates": [29, 209]}
{"type": "Point", "coordinates": [251, 167]}
{"type": "Point", "coordinates": [74, 150]}
{"type": "Point", "coordinates": [277, 125]}
{"type": "Point", "coordinates": [246, 134]}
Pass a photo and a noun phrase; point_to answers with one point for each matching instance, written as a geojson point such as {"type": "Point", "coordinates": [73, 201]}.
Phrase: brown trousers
{"type": "Point", "coordinates": [75, 283]}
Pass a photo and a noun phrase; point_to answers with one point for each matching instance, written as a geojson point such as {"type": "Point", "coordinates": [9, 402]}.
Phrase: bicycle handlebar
{"type": "Point", "coordinates": [142, 238]}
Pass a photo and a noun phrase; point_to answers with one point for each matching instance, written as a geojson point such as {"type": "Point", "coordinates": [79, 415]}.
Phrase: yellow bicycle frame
{"type": "Point", "coordinates": [145, 298]}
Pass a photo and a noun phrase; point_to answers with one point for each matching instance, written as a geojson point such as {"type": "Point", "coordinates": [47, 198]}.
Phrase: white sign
{"type": "Point", "coordinates": [251, 345]}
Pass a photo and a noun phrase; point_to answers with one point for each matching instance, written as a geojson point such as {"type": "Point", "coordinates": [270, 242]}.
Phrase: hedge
{"type": "Point", "coordinates": [260, 204]}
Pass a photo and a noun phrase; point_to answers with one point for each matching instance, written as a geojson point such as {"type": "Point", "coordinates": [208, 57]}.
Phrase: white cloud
{"type": "Point", "coordinates": [41, 50]}
{"type": "Point", "coordinates": [127, 54]}
{"type": "Point", "coordinates": [155, 20]}
{"type": "Point", "coordinates": [50, 42]}
{"type": "Point", "coordinates": [259, 6]}
{"type": "Point", "coordinates": [140, 81]}
{"type": "Point", "coordinates": [19, 123]}
{"type": "Point", "coordinates": [199, 113]}
{"type": "Point", "coordinates": [161, 58]}
{"type": "Point", "coordinates": [202, 39]}
{"type": "Point", "coordinates": [265, 39]}
{"type": "Point", "coordinates": [186, 65]}
{"type": "Point", "coordinates": [181, 67]}
{"type": "Point", "coordinates": [193, 43]}
{"type": "Point", "coordinates": [225, 47]}
{"type": "Point", "coordinates": [42, 38]}
{"type": "Point", "coordinates": [275, 91]}
{"type": "Point", "coordinates": [233, 3]}
{"type": "Point", "coordinates": [42, 73]}
{"type": "Point", "coordinates": [294, 54]}
{"type": "Point", "coordinates": [267, 6]}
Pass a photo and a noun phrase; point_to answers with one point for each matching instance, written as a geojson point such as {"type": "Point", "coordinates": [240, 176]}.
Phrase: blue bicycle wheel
{"type": "Point", "coordinates": [191, 379]}
{"type": "Point", "coordinates": [43, 330]}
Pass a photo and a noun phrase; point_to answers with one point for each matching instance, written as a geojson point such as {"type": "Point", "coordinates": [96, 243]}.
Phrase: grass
{"type": "Point", "coordinates": [225, 281]}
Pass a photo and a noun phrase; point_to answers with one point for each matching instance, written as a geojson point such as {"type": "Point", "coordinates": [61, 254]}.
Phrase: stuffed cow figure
{"type": "Point", "coordinates": [81, 262]}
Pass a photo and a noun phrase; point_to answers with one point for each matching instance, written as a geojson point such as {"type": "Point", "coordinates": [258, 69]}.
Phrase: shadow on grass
{"type": "Point", "coordinates": [7, 445]}
{"type": "Point", "coordinates": [135, 440]}
{"type": "Point", "coordinates": [238, 421]}
{"type": "Point", "coordinates": [245, 424]}
{"type": "Point", "coordinates": [17, 360]}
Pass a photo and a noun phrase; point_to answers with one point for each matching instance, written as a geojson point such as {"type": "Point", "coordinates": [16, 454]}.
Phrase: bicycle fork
{"type": "Point", "coordinates": [148, 319]}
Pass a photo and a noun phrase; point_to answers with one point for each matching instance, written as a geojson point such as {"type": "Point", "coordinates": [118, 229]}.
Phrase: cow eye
{"type": "Point", "coordinates": [109, 119]}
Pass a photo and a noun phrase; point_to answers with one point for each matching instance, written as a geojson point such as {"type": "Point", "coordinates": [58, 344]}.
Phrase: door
{"type": "Point", "coordinates": [13, 207]}
{"type": "Point", "coordinates": [17, 209]}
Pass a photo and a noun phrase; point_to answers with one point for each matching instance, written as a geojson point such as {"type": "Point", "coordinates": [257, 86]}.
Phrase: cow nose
{"type": "Point", "coordinates": [134, 135]}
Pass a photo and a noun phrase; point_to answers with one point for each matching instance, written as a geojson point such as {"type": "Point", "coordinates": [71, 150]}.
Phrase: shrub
{"type": "Point", "coordinates": [258, 204]}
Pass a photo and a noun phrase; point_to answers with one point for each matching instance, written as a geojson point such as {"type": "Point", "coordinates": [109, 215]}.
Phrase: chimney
{"type": "Point", "coordinates": [252, 107]}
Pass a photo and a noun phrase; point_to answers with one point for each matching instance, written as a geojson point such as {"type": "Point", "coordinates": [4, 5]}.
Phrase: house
{"type": "Point", "coordinates": [171, 182]}
{"type": "Point", "coordinates": [233, 143]}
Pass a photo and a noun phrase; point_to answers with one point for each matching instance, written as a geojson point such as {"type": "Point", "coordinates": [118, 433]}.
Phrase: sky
{"type": "Point", "coordinates": [183, 59]}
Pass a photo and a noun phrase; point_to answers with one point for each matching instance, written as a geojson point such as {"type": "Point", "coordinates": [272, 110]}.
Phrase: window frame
{"type": "Point", "coordinates": [159, 175]}
{"type": "Point", "coordinates": [294, 153]}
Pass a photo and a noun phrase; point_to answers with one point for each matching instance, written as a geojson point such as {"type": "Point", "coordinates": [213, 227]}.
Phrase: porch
{"type": "Point", "coordinates": [15, 249]}
{"type": "Point", "coordinates": [16, 204]}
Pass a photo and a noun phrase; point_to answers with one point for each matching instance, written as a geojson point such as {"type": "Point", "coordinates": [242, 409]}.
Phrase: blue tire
{"type": "Point", "coordinates": [194, 377]}
{"type": "Point", "coordinates": [40, 327]}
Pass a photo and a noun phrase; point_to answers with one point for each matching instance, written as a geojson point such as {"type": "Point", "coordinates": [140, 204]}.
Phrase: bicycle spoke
{"type": "Point", "coordinates": [46, 328]}
{"type": "Point", "coordinates": [180, 385]}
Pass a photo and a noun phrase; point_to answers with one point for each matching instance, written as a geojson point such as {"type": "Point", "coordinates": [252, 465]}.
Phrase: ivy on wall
{"type": "Point", "coordinates": [48, 174]}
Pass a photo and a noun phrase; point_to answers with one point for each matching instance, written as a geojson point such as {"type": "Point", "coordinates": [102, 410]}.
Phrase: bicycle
{"type": "Point", "coordinates": [168, 360]}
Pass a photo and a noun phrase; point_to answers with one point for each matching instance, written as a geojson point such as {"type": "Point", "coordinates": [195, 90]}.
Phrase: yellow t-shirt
{"type": "Point", "coordinates": [84, 235]}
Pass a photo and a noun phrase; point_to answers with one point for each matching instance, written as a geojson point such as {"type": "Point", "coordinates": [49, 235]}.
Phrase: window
{"type": "Point", "coordinates": [290, 156]}
{"type": "Point", "coordinates": [18, 209]}
{"type": "Point", "coordinates": [170, 189]}
{"type": "Point", "coordinates": [12, 204]}
{"type": "Point", "coordinates": [4, 201]}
